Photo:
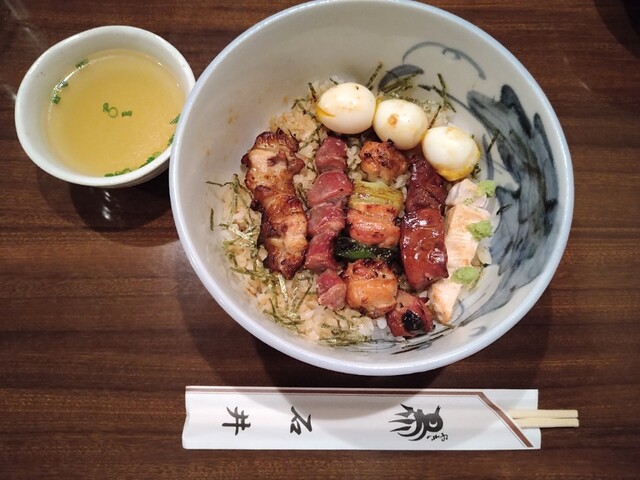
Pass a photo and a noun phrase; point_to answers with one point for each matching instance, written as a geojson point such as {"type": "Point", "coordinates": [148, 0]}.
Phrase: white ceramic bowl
{"type": "Point", "coordinates": [35, 92]}
{"type": "Point", "coordinates": [264, 69]}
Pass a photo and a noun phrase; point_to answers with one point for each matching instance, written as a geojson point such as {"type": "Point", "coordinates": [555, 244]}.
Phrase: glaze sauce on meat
{"type": "Point", "coordinates": [355, 230]}
{"type": "Point", "coordinates": [372, 287]}
{"type": "Point", "coordinates": [271, 164]}
{"type": "Point", "coordinates": [422, 247]}
{"type": "Point", "coordinates": [382, 161]}
{"type": "Point", "coordinates": [410, 317]}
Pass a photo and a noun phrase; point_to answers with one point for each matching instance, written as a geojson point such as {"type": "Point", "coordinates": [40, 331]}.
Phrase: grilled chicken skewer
{"type": "Point", "coordinates": [271, 164]}
{"type": "Point", "coordinates": [422, 247]}
{"type": "Point", "coordinates": [372, 285]}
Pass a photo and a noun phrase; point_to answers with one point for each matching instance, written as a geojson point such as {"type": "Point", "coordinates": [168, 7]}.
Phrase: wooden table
{"type": "Point", "coordinates": [104, 323]}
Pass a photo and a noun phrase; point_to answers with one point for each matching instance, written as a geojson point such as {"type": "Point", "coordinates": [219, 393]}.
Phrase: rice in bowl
{"type": "Point", "coordinates": [293, 303]}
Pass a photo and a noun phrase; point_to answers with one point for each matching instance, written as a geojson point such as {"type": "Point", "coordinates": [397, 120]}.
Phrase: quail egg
{"type": "Point", "coordinates": [451, 151]}
{"type": "Point", "coordinates": [346, 108]}
{"type": "Point", "coordinates": [401, 121]}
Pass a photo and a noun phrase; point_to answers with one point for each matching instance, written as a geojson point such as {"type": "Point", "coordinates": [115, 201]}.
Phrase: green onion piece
{"type": "Point", "coordinates": [55, 99]}
{"type": "Point", "coordinates": [375, 192]}
{"type": "Point", "coordinates": [467, 275]}
{"type": "Point", "coordinates": [127, 113]}
{"type": "Point", "coordinates": [82, 63]}
{"type": "Point", "coordinates": [175, 120]}
{"type": "Point", "coordinates": [481, 229]}
{"type": "Point", "coordinates": [109, 110]}
{"type": "Point", "coordinates": [351, 249]}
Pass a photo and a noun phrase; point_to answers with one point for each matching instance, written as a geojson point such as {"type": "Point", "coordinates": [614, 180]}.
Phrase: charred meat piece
{"type": "Point", "coordinates": [332, 186]}
{"type": "Point", "coordinates": [425, 189]}
{"type": "Point", "coordinates": [327, 216]}
{"type": "Point", "coordinates": [371, 287]}
{"type": "Point", "coordinates": [410, 317]}
{"type": "Point", "coordinates": [372, 229]}
{"type": "Point", "coordinates": [382, 161]}
{"type": "Point", "coordinates": [371, 218]}
{"type": "Point", "coordinates": [331, 290]}
{"type": "Point", "coordinates": [284, 233]}
{"type": "Point", "coordinates": [422, 247]}
{"type": "Point", "coordinates": [271, 164]}
{"type": "Point", "coordinates": [331, 155]}
{"type": "Point", "coordinates": [320, 253]}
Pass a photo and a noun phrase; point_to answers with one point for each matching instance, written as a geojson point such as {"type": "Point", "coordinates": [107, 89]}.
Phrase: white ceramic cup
{"type": "Point", "coordinates": [35, 92]}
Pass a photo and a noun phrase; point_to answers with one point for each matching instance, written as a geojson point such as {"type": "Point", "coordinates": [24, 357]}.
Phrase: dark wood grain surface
{"type": "Point", "coordinates": [103, 322]}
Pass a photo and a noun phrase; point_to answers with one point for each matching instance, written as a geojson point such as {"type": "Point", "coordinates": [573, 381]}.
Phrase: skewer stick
{"type": "Point", "coordinates": [545, 418]}
{"type": "Point", "coordinates": [547, 422]}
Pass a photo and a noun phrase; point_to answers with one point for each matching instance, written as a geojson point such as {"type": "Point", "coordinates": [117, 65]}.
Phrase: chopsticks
{"type": "Point", "coordinates": [545, 418]}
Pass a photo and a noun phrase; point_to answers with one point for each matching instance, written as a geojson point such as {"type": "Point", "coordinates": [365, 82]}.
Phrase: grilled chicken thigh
{"type": "Point", "coordinates": [371, 287]}
{"type": "Point", "coordinates": [271, 164]}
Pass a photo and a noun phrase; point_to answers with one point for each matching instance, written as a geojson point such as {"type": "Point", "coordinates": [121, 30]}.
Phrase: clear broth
{"type": "Point", "coordinates": [113, 112]}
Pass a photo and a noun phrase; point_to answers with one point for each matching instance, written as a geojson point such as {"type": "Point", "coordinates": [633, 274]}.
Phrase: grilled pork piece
{"type": "Point", "coordinates": [271, 164]}
{"type": "Point", "coordinates": [331, 155]}
{"type": "Point", "coordinates": [331, 186]}
{"type": "Point", "coordinates": [328, 216]}
{"type": "Point", "coordinates": [411, 317]}
{"type": "Point", "coordinates": [331, 290]}
{"type": "Point", "coordinates": [320, 253]}
{"type": "Point", "coordinates": [382, 161]}
{"type": "Point", "coordinates": [371, 287]}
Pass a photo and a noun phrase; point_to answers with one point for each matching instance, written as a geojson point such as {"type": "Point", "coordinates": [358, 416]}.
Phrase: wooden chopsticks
{"type": "Point", "coordinates": [545, 418]}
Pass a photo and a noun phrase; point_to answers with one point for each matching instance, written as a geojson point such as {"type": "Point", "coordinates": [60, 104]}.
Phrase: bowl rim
{"type": "Point", "coordinates": [326, 361]}
{"type": "Point", "coordinates": [22, 121]}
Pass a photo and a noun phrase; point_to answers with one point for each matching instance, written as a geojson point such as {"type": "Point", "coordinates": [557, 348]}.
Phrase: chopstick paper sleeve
{"type": "Point", "coordinates": [264, 418]}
